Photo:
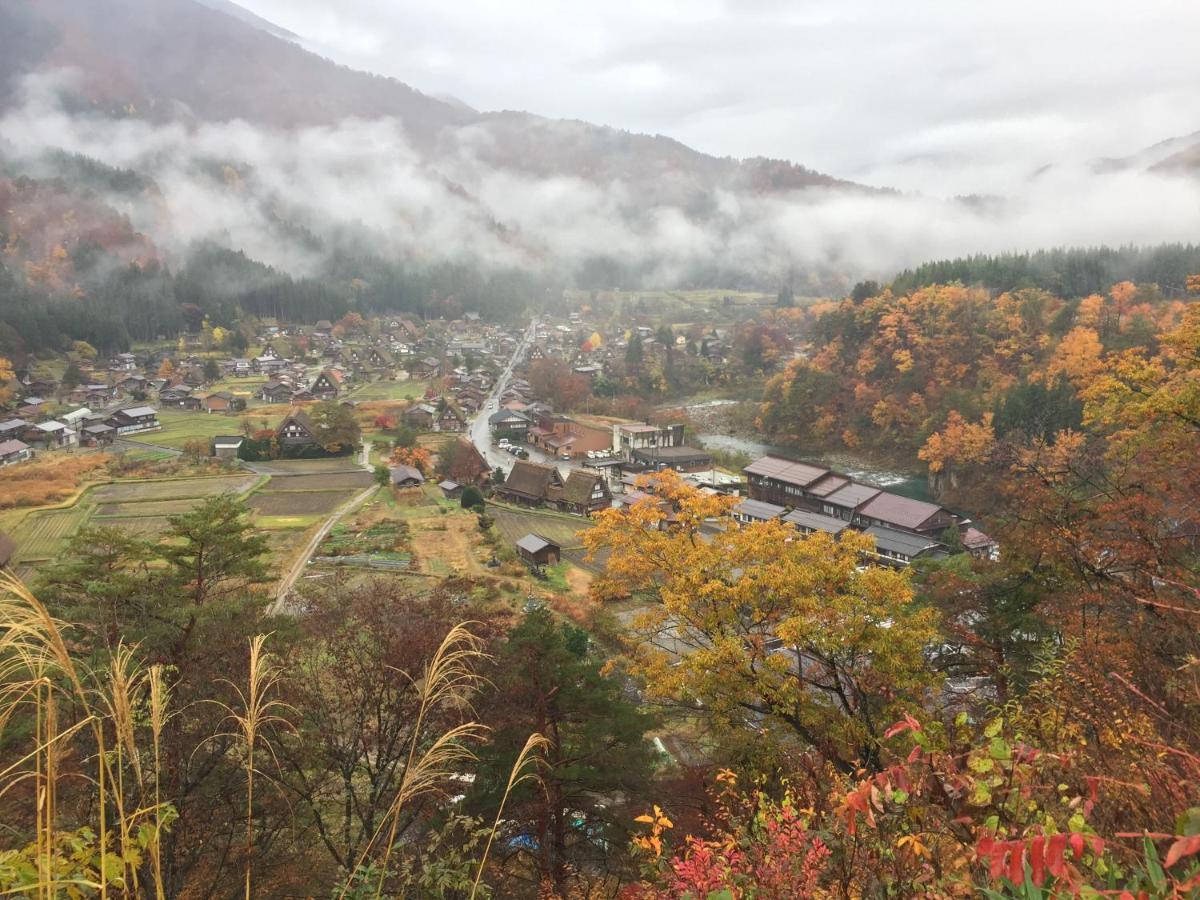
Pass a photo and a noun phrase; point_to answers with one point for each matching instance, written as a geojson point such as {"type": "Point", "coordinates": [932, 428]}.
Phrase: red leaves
{"type": "Point", "coordinates": [1185, 846]}
{"type": "Point", "coordinates": [1037, 862]}
{"type": "Point", "coordinates": [1046, 855]}
{"type": "Point", "coordinates": [909, 724]}
{"type": "Point", "coordinates": [1054, 855]}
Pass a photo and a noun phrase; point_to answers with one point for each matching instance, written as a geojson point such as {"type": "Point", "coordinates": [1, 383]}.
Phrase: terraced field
{"type": "Point", "coordinates": [141, 525]}
{"type": "Point", "coordinates": [145, 508]}
{"type": "Point", "coordinates": [314, 466]}
{"type": "Point", "coordinates": [356, 480]}
{"type": "Point", "coordinates": [177, 489]}
{"type": "Point", "coordinates": [41, 535]}
{"type": "Point", "coordinates": [296, 502]}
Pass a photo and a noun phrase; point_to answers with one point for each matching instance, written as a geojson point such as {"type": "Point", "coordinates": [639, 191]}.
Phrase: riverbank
{"type": "Point", "coordinates": [727, 426]}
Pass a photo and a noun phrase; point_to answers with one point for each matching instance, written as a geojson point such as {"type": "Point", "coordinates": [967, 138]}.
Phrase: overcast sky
{"type": "Point", "coordinates": [936, 95]}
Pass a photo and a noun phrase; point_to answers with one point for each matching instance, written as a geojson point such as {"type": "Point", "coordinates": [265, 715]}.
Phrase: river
{"type": "Point", "coordinates": [903, 483]}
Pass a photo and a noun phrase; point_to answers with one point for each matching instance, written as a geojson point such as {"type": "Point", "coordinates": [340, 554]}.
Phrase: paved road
{"type": "Point", "coordinates": [481, 435]}
{"type": "Point", "coordinates": [477, 428]}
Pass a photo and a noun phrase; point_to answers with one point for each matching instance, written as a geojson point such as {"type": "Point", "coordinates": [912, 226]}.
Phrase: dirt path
{"type": "Point", "coordinates": [289, 579]}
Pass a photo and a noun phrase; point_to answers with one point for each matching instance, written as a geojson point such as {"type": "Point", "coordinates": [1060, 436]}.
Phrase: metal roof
{"type": "Point", "coordinates": [852, 495]}
{"type": "Point", "coordinates": [910, 545]}
{"type": "Point", "coordinates": [902, 511]}
{"type": "Point", "coordinates": [815, 521]}
{"type": "Point", "coordinates": [827, 485]}
{"type": "Point", "coordinates": [790, 471]}
{"type": "Point", "coordinates": [757, 509]}
{"type": "Point", "coordinates": [534, 543]}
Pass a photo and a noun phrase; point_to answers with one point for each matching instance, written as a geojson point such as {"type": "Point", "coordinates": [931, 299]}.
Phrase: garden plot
{"type": "Point", "coordinates": [177, 489]}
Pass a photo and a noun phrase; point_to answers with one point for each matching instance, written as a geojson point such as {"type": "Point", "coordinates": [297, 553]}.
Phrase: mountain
{"type": "Point", "coordinates": [1178, 155]}
{"type": "Point", "coordinates": [210, 60]}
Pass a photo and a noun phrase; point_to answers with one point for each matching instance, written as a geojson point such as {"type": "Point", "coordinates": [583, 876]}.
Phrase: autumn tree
{"type": "Point", "coordinates": [553, 380]}
{"type": "Point", "coordinates": [335, 428]}
{"type": "Point", "coordinates": [195, 450]}
{"type": "Point", "coordinates": [7, 377]}
{"type": "Point", "coordinates": [418, 457]}
{"type": "Point", "coordinates": [354, 679]}
{"type": "Point", "coordinates": [762, 628]}
{"type": "Point", "coordinates": [548, 680]}
{"type": "Point", "coordinates": [187, 600]}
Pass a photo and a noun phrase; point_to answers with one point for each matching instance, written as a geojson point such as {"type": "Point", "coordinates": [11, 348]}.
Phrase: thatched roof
{"type": "Point", "coordinates": [532, 480]}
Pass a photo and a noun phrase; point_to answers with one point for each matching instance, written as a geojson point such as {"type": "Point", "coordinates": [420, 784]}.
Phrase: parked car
{"type": "Point", "coordinates": [522, 453]}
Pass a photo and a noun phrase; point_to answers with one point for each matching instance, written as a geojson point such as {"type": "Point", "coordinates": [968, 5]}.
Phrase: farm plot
{"type": "Point", "coordinates": [141, 525]}
{"type": "Point", "coordinates": [296, 503]}
{"type": "Point", "coordinates": [329, 481]}
{"type": "Point", "coordinates": [42, 535]}
{"type": "Point", "coordinates": [446, 545]}
{"type": "Point", "coordinates": [145, 508]}
{"type": "Point", "coordinates": [313, 466]}
{"type": "Point", "coordinates": [515, 524]}
{"type": "Point", "coordinates": [178, 489]}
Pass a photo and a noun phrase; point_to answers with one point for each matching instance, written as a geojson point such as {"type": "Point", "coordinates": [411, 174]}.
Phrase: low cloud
{"type": "Point", "coordinates": [270, 192]}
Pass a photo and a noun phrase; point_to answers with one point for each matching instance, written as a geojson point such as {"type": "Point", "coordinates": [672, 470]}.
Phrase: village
{"type": "Point", "coordinates": [433, 410]}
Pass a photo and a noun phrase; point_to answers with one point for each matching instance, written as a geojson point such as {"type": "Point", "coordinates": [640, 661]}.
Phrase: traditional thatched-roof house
{"type": "Point", "coordinates": [296, 430]}
{"type": "Point", "coordinates": [529, 483]}
{"type": "Point", "coordinates": [583, 493]}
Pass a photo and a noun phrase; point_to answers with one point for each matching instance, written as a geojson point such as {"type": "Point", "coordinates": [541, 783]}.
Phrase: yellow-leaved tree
{"type": "Point", "coordinates": [759, 626]}
{"type": "Point", "coordinates": [6, 376]}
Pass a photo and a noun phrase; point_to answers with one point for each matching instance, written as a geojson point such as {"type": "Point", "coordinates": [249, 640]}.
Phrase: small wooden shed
{"type": "Point", "coordinates": [538, 551]}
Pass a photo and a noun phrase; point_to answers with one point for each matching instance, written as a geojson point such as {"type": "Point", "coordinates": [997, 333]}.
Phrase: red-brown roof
{"type": "Point", "coordinates": [902, 511]}
{"type": "Point", "coordinates": [786, 470]}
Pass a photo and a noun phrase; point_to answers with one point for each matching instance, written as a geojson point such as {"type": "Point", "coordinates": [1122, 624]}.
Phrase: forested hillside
{"type": "Point", "coordinates": [1068, 272]}
{"type": "Point", "coordinates": [884, 373]}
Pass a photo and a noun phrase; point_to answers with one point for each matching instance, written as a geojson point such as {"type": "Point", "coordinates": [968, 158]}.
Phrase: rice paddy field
{"type": "Point", "coordinates": [42, 534]}
{"type": "Point", "coordinates": [145, 526]}
{"type": "Point", "coordinates": [172, 489]}
{"type": "Point", "coordinates": [144, 508]}
{"type": "Point", "coordinates": [284, 506]}
{"type": "Point", "coordinates": [313, 466]}
{"type": "Point", "coordinates": [141, 507]}
{"type": "Point", "coordinates": [296, 502]}
{"type": "Point", "coordinates": [317, 481]}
